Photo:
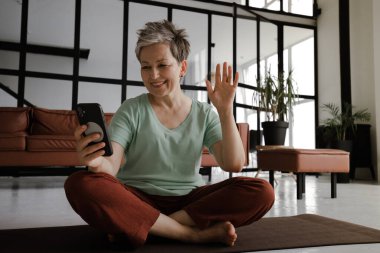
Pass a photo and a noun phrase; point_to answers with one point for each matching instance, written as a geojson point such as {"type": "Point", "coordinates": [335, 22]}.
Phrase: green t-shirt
{"type": "Point", "coordinates": [162, 161]}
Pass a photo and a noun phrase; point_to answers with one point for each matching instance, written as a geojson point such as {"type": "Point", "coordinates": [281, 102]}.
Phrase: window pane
{"type": "Point", "coordinates": [51, 23]}
{"type": "Point", "coordinates": [198, 95]}
{"type": "Point", "coordinates": [10, 25]}
{"type": "Point", "coordinates": [245, 96]}
{"type": "Point", "coordinates": [247, 51]}
{"type": "Point", "coordinates": [265, 4]}
{"type": "Point", "coordinates": [196, 28]}
{"type": "Point", "coordinates": [102, 33]}
{"type": "Point", "coordinates": [9, 59]}
{"type": "Point", "coordinates": [299, 56]}
{"type": "Point", "coordinates": [303, 7]}
{"type": "Point", "coordinates": [94, 93]}
{"type": "Point", "coordinates": [268, 48]}
{"type": "Point", "coordinates": [137, 21]}
{"type": "Point", "coordinates": [48, 93]}
{"type": "Point", "coordinates": [242, 2]}
{"type": "Point", "coordinates": [134, 91]}
{"type": "Point", "coordinates": [10, 20]}
{"type": "Point", "coordinates": [223, 49]}
{"type": "Point", "coordinates": [12, 83]}
{"type": "Point", "coordinates": [302, 130]}
{"type": "Point", "coordinates": [49, 63]}
{"type": "Point", "coordinates": [249, 116]}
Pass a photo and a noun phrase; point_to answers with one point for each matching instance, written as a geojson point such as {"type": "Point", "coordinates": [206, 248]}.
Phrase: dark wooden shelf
{"type": "Point", "coordinates": [42, 49]}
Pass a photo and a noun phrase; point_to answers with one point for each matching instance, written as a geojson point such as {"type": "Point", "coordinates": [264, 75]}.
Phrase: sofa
{"type": "Point", "coordinates": [32, 139]}
{"type": "Point", "coordinates": [208, 161]}
{"type": "Point", "coordinates": [40, 141]}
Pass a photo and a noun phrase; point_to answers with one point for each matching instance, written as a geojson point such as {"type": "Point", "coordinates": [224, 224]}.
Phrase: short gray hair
{"type": "Point", "coordinates": [164, 32]}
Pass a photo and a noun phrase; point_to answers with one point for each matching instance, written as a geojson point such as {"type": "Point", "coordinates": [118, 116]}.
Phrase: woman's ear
{"type": "Point", "coordinates": [183, 68]}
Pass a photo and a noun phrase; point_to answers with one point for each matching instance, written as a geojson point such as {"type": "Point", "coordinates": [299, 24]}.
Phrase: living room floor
{"type": "Point", "coordinates": [40, 202]}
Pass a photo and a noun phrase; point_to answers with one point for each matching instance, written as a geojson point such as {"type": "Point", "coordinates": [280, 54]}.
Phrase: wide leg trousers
{"type": "Point", "coordinates": [107, 204]}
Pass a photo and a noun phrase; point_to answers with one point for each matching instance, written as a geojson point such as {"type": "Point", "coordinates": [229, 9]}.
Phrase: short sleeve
{"type": "Point", "coordinates": [122, 126]}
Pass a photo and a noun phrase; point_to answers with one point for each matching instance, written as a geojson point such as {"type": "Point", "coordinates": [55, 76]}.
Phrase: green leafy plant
{"type": "Point", "coordinates": [343, 120]}
{"type": "Point", "coordinates": [277, 95]}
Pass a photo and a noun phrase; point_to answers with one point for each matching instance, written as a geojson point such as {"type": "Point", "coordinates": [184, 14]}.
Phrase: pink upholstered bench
{"type": "Point", "coordinates": [301, 161]}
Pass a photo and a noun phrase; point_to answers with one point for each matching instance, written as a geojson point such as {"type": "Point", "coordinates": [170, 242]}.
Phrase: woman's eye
{"type": "Point", "coordinates": [163, 65]}
{"type": "Point", "coordinates": [145, 67]}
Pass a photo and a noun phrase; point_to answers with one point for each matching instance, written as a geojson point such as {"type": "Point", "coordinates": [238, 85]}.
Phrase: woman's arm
{"type": "Point", "coordinates": [92, 156]}
{"type": "Point", "coordinates": [229, 152]}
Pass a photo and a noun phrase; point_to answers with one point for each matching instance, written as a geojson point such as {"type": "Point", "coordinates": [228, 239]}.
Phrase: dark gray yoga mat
{"type": "Point", "coordinates": [299, 231]}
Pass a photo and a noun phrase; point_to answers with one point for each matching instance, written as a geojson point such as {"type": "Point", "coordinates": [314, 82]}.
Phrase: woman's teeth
{"type": "Point", "coordinates": [157, 84]}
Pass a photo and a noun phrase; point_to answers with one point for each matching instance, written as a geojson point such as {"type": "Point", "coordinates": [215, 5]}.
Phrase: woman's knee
{"type": "Point", "coordinates": [84, 183]}
{"type": "Point", "coordinates": [267, 192]}
{"type": "Point", "coordinates": [260, 189]}
{"type": "Point", "coordinates": [75, 181]}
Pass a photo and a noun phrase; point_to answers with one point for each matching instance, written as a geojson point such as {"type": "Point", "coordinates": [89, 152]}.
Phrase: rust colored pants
{"type": "Point", "coordinates": [107, 204]}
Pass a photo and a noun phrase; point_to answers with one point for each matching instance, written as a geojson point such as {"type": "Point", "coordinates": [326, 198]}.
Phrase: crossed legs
{"type": "Point", "coordinates": [207, 214]}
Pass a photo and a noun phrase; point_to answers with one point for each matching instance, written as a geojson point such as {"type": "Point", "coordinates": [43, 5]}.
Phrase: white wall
{"type": "Point", "coordinates": [362, 68]}
{"type": "Point", "coordinates": [376, 60]}
{"type": "Point", "coordinates": [328, 54]}
{"type": "Point", "coordinates": [364, 36]}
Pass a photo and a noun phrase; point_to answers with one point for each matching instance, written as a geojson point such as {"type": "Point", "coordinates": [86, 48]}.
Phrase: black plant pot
{"type": "Point", "coordinates": [274, 132]}
{"type": "Point", "coordinates": [346, 145]}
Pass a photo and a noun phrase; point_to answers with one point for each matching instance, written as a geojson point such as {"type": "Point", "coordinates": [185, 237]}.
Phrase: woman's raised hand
{"type": "Point", "coordinates": [223, 93]}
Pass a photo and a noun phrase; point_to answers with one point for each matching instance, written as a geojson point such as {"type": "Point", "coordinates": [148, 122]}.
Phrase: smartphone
{"type": "Point", "coordinates": [91, 114]}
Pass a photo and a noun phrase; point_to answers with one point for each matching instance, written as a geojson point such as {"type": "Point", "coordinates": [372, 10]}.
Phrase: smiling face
{"type": "Point", "coordinates": [160, 71]}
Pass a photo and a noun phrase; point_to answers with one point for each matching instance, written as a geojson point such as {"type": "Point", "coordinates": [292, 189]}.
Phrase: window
{"type": "Point", "coordinates": [60, 93]}
{"type": "Point", "coordinates": [303, 7]}
{"type": "Point", "coordinates": [102, 32]}
{"type": "Point", "coordinates": [94, 93]}
{"type": "Point", "coordinates": [194, 23]}
{"type": "Point", "coordinates": [266, 4]}
{"type": "Point", "coordinates": [261, 45]}
{"type": "Point", "coordinates": [50, 23]}
{"type": "Point", "coordinates": [137, 21]}
{"type": "Point", "coordinates": [299, 57]}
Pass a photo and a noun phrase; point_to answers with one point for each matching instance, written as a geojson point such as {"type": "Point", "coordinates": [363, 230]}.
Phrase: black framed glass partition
{"type": "Point", "coordinates": [86, 53]}
{"type": "Point", "coordinates": [299, 57]}
{"type": "Point", "coordinates": [274, 46]}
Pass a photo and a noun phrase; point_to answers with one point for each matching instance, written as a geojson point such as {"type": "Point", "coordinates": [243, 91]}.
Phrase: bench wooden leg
{"type": "Point", "coordinates": [333, 185]}
{"type": "Point", "coordinates": [206, 171]}
{"type": "Point", "coordinates": [303, 182]}
{"type": "Point", "coordinates": [271, 177]}
{"type": "Point", "coordinates": [299, 185]}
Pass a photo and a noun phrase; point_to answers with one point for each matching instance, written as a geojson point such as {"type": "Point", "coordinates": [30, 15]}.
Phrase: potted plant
{"type": "Point", "coordinates": [342, 121]}
{"type": "Point", "coordinates": [277, 96]}
{"type": "Point", "coordinates": [340, 128]}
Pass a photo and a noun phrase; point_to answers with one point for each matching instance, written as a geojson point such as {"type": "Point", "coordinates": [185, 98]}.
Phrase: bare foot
{"type": "Point", "coordinates": [223, 232]}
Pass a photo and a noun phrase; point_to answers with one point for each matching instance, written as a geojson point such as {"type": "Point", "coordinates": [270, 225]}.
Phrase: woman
{"type": "Point", "coordinates": [151, 184]}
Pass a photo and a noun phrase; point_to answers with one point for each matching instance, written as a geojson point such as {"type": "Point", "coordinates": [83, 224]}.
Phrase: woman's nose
{"type": "Point", "coordinates": [154, 73]}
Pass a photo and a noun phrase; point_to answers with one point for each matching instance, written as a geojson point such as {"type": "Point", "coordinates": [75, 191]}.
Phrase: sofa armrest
{"type": "Point", "coordinates": [208, 159]}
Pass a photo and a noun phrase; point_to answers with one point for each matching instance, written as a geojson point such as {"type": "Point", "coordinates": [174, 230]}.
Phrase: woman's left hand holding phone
{"type": "Point", "coordinates": [89, 155]}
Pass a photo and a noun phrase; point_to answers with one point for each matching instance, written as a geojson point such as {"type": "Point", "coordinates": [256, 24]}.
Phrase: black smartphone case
{"type": "Point", "coordinates": [91, 114]}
